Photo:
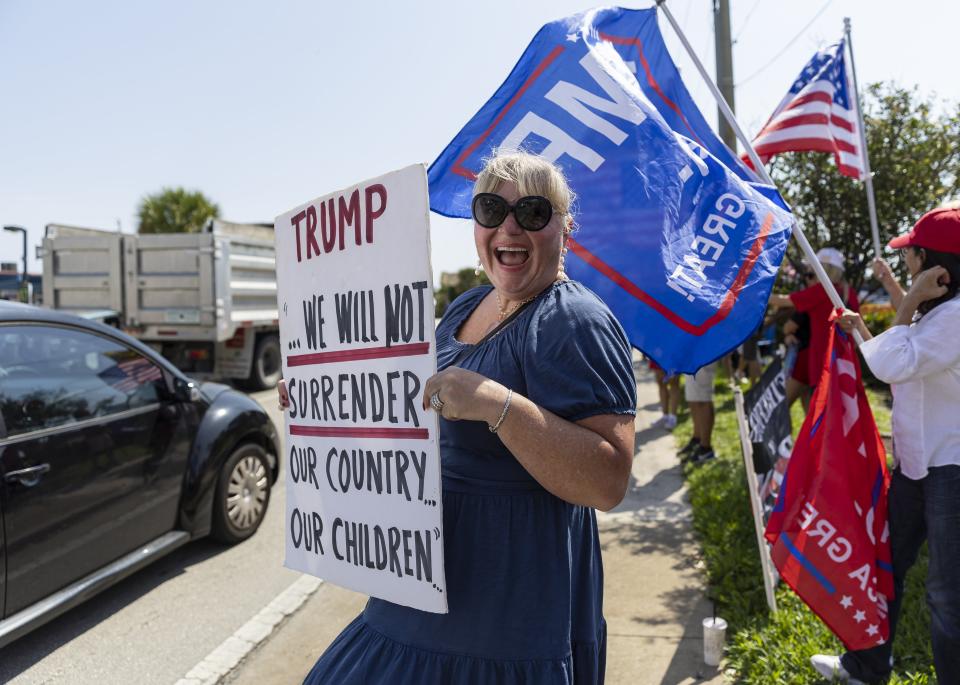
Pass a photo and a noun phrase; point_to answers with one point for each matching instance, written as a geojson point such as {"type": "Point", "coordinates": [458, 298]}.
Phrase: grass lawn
{"type": "Point", "coordinates": [765, 649]}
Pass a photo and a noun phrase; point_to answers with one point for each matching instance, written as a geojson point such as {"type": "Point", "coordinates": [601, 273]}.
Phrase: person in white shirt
{"type": "Point", "coordinates": [919, 356]}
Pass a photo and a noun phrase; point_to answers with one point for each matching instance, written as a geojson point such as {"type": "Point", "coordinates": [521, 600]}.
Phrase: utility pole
{"type": "Point", "coordinates": [23, 287]}
{"type": "Point", "coordinates": [724, 50]}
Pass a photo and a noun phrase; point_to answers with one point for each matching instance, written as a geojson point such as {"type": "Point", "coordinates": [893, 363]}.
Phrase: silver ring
{"type": "Point", "coordinates": [436, 402]}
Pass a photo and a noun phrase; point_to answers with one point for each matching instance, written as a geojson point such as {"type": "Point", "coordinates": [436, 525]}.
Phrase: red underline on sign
{"type": "Point", "coordinates": [408, 350]}
{"type": "Point", "coordinates": [359, 432]}
{"type": "Point", "coordinates": [694, 329]}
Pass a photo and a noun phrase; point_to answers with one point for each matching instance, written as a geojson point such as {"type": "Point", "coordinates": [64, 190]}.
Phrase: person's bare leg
{"type": "Point", "coordinates": [805, 394]}
{"type": "Point", "coordinates": [662, 388]}
{"type": "Point", "coordinates": [695, 419]}
{"type": "Point", "coordinates": [700, 421]}
{"type": "Point", "coordinates": [728, 365]}
{"type": "Point", "coordinates": [707, 431]}
{"type": "Point", "coordinates": [794, 390]}
{"type": "Point", "coordinates": [673, 394]}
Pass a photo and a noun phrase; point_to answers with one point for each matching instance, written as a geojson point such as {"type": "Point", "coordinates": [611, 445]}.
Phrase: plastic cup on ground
{"type": "Point", "coordinates": [714, 635]}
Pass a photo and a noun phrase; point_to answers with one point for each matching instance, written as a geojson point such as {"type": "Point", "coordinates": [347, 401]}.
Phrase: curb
{"type": "Point", "coordinates": [228, 655]}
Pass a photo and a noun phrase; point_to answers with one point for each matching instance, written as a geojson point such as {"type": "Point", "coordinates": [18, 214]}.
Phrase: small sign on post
{"type": "Point", "coordinates": [766, 443]}
{"type": "Point", "coordinates": [362, 464]}
{"type": "Point", "coordinates": [768, 421]}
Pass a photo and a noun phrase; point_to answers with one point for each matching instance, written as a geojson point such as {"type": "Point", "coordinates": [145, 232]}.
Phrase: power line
{"type": "Point", "coordinates": [687, 15]}
{"type": "Point", "coordinates": [745, 20]}
{"type": "Point", "coordinates": [787, 46]}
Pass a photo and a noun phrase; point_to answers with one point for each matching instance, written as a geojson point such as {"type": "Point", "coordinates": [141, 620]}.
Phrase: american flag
{"type": "Point", "coordinates": [127, 376]}
{"type": "Point", "coordinates": [818, 113]}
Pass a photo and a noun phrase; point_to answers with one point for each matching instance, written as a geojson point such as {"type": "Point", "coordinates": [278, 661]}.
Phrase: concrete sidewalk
{"type": "Point", "coordinates": [653, 592]}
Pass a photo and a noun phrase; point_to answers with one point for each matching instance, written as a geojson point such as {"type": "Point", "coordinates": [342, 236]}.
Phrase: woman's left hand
{"type": "Point", "coordinates": [850, 321]}
{"type": "Point", "coordinates": [465, 395]}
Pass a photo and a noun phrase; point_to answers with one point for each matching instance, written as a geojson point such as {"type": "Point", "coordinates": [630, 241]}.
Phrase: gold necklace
{"type": "Point", "coordinates": [504, 313]}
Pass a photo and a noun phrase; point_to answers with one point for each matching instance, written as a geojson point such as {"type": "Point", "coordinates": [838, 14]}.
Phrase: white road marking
{"type": "Point", "coordinates": [222, 660]}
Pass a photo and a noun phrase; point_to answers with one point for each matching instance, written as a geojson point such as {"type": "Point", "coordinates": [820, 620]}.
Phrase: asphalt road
{"type": "Point", "coordinates": [156, 625]}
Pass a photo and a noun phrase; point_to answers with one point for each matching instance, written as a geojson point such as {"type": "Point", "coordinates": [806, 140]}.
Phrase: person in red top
{"type": "Point", "coordinates": [815, 302]}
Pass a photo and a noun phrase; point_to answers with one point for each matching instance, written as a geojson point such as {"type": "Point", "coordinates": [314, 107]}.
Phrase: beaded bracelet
{"type": "Point", "coordinates": [506, 407]}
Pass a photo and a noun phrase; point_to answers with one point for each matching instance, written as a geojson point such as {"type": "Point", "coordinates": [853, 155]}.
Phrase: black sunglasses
{"type": "Point", "coordinates": [532, 212]}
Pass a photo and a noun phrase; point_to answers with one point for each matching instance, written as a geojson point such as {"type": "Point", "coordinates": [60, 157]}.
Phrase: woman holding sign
{"type": "Point", "coordinates": [537, 397]}
{"type": "Point", "coordinates": [920, 357]}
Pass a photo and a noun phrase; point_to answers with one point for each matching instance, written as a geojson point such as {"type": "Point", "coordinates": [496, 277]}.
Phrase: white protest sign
{"type": "Point", "coordinates": [357, 333]}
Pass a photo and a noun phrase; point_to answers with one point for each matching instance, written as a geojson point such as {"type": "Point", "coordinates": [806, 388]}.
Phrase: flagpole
{"type": "Point", "coordinates": [758, 165]}
{"type": "Point", "coordinates": [867, 174]}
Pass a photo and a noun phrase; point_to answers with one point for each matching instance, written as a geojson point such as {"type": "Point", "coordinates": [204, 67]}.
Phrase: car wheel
{"type": "Point", "coordinates": [267, 366]}
{"type": "Point", "coordinates": [243, 493]}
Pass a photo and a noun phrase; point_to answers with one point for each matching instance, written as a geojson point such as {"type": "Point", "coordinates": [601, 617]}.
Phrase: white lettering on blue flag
{"type": "Point", "coordinates": [573, 98]}
{"type": "Point", "coordinates": [560, 141]}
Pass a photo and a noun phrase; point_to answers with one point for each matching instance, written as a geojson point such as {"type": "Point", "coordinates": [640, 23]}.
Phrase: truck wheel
{"type": "Point", "coordinates": [266, 368]}
{"type": "Point", "coordinates": [242, 496]}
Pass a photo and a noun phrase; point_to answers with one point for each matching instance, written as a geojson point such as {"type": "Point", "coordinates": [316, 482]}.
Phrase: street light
{"type": "Point", "coordinates": [23, 278]}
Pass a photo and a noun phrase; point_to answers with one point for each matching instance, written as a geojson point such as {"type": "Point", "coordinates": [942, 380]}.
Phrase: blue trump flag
{"type": "Point", "coordinates": [673, 235]}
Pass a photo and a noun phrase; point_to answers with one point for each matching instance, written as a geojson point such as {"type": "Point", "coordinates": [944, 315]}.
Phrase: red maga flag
{"type": "Point", "coordinates": [829, 528]}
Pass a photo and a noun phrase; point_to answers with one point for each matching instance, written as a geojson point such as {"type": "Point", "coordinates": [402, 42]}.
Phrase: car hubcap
{"type": "Point", "coordinates": [247, 492]}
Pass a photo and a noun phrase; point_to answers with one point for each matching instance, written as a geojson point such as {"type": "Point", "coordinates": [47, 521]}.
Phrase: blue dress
{"type": "Point", "coordinates": [523, 569]}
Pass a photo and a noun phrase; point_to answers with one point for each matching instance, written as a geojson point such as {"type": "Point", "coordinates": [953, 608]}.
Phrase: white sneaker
{"type": "Point", "coordinates": [659, 422]}
{"type": "Point", "coordinates": [670, 421]}
{"type": "Point", "coordinates": [829, 666]}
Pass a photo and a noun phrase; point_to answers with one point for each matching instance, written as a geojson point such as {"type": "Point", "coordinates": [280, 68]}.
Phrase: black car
{"type": "Point", "coordinates": [109, 459]}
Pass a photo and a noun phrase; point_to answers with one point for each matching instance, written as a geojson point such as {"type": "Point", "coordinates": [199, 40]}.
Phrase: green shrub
{"type": "Point", "coordinates": [764, 648]}
{"type": "Point", "coordinates": [878, 319]}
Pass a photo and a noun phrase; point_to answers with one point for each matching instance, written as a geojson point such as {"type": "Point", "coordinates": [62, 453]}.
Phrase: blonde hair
{"type": "Point", "coordinates": [532, 175]}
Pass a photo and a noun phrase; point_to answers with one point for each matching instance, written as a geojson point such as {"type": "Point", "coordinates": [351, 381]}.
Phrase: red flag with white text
{"type": "Point", "coordinates": [829, 527]}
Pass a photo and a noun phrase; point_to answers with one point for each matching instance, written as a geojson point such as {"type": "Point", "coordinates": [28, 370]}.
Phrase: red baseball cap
{"type": "Point", "coordinates": [938, 229]}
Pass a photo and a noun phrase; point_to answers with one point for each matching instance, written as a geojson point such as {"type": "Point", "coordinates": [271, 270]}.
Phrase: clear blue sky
{"type": "Point", "coordinates": [264, 105]}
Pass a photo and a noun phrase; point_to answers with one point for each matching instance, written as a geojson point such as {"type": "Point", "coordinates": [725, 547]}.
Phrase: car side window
{"type": "Point", "coordinates": [53, 376]}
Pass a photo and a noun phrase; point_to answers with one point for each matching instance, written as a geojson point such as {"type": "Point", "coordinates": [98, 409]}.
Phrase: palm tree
{"type": "Point", "coordinates": [175, 210]}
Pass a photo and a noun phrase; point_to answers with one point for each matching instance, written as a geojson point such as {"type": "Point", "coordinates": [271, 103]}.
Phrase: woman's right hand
{"type": "Point", "coordinates": [927, 284]}
{"type": "Point", "coordinates": [283, 395]}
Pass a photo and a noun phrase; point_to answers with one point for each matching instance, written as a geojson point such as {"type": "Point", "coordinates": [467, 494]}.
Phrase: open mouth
{"type": "Point", "coordinates": [511, 256]}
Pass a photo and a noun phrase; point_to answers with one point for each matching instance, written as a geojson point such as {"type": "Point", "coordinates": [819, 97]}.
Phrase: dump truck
{"type": "Point", "coordinates": [206, 301]}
